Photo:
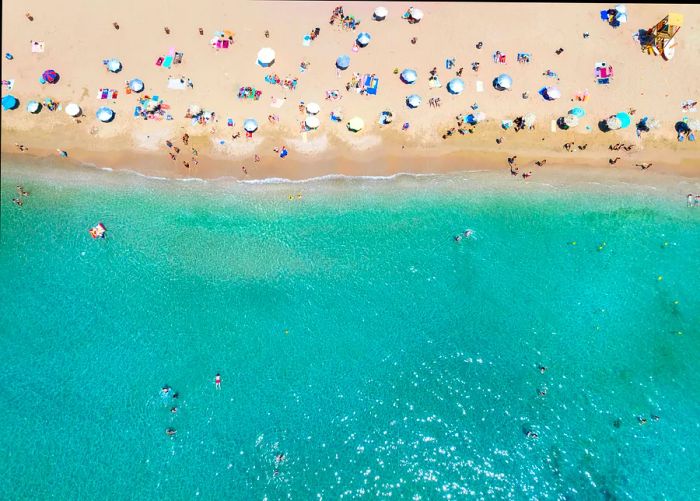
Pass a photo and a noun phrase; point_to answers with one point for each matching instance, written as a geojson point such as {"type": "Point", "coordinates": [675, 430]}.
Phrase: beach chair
{"type": "Point", "coordinates": [159, 61]}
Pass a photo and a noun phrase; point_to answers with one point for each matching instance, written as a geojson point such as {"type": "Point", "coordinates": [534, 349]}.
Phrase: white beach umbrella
{"type": "Point", "coordinates": [73, 109]}
{"type": "Point", "coordinates": [417, 14]}
{"type": "Point", "coordinates": [413, 101]}
{"type": "Point", "coordinates": [694, 124]}
{"type": "Point", "coordinates": [250, 125]}
{"type": "Point", "coordinates": [194, 110]}
{"type": "Point", "coordinates": [33, 106]}
{"type": "Point", "coordinates": [356, 124]}
{"type": "Point", "coordinates": [312, 122]}
{"type": "Point", "coordinates": [136, 85]}
{"type": "Point", "coordinates": [613, 123]}
{"type": "Point", "coordinates": [503, 82]}
{"type": "Point", "coordinates": [571, 120]}
{"type": "Point", "coordinates": [114, 65]}
{"type": "Point", "coordinates": [479, 116]}
{"type": "Point", "coordinates": [105, 114]}
{"type": "Point", "coordinates": [455, 86]}
{"type": "Point", "coordinates": [552, 93]}
{"type": "Point", "coordinates": [409, 76]}
{"type": "Point", "coordinates": [529, 119]}
{"type": "Point", "coordinates": [266, 57]}
{"type": "Point", "coordinates": [621, 8]}
{"type": "Point", "coordinates": [313, 108]}
{"type": "Point", "coordinates": [380, 13]}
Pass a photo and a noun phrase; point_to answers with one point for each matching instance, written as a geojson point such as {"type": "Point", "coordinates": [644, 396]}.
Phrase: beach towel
{"type": "Point", "coordinates": [8, 84]}
{"type": "Point", "coordinates": [178, 57]}
{"type": "Point", "coordinates": [37, 46]}
{"type": "Point", "coordinates": [229, 122]}
{"type": "Point", "coordinates": [171, 51]}
{"type": "Point", "coordinates": [524, 57]}
{"type": "Point", "coordinates": [689, 105]}
{"type": "Point", "coordinates": [176, 83]}
{"type": "Point", "coordinates": [306, 41]}
{"type": "Point", "coordinates": [479, 86]}
{"type": "Point", "coordinates": [278, 102]}
{"type": "Point", "coordinates": [107, 94]}
{"type": "Point", "coordinates": [159, 61]}
{"type": "Point", "coordinates": [168, 61]}
{"type": "Point", "coordinates": [553, 126]}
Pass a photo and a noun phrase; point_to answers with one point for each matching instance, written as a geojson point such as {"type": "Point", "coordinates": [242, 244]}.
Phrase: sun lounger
{"type": "Point", "coordinates": [37, 46]}
{"type": "Point", "coordinates": [479, 86]}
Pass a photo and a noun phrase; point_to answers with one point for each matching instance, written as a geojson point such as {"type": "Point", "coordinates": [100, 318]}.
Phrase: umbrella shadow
{"type": "Point", "coordinates": [681, 127]}
{"type": "Point", "coordinates": [603, 126]}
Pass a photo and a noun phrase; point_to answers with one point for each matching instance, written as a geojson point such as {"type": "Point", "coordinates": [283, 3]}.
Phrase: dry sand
{"type": "Point", "coordinates": [80, 35]}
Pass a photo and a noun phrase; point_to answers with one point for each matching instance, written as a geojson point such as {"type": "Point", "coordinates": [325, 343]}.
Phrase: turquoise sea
{"type": "Point", "coordinates": [352, 334]}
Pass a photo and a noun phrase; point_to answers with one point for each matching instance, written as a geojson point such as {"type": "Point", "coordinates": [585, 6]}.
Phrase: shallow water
{"type": "Point", "coordinates": [353, 334]}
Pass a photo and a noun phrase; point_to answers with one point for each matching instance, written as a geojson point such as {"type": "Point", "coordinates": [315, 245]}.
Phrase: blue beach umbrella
{"type": "Point", "coordinates": [409, 76]}
{"type": "Point", "coordinates": [105, 114]}
{"type": "Point", "coordinates": [577, 112]}
{"type": "Point", "coordinates": [625, 119]}
{"type": "Point", "coordinates": [114, 65]}
{"type": "Point", "coordinates": [136, 85]}
{"type": "Point", "coordinates": [343, 62]}
{"type": "Point", "coordinates": [455, 86]}
{"type": "Point", "coordinates": [250, 125]}
{"type": "Point", "coordinates": [9, 102]}
{"type": "Point", "coordinates": [33, 107]}
{"type": "Point", "coordinates": [413, 101]}
{"type": "Point", "coordinates": [503, 82]}
{"type": "Point", "coordinates": [363, 39]}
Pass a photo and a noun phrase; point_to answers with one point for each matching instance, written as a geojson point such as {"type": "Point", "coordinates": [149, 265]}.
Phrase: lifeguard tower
{"type": "Point", "coordinates": [660, 40]}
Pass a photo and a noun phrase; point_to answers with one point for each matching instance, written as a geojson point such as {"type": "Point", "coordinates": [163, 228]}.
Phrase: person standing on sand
{"type": "Point", "coordinates": [540, 163]}
{"type": "Point", "coordinates": [613, 161]}
{"type": "Point", "coordinates": [644, 166]}
{"type": "Point", "coordinates": [511, 160]}
{"type": "Point", "coordinates": [167, 30]}
{"type": "Point", "coordinates": [29, 16]}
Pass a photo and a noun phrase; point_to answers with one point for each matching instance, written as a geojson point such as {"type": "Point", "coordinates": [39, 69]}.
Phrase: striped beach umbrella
{"type": "Point", "coordinates": [312, 122]}
{"type": "Point", "coordinates": [136, 85]}
{"type": "Point", "coordinates": [9, 102]}
{"type": "Point", "coordinates": [409, 76]}
{"type": "Point", "coordinates": [73, 109]}
{"type": "Point", "coordinates": [380, 13]}
{"type": "Point", "coordinates": [503, 82]}
{"type": "Point", "coordinates": [356, 124]}
{"type": "Point", "coordinates": [33, 106]}
{"type": "Point", "coordinates": [50, 76]}
{"type": "Point", "coordinates": [363, 39]}
{"type": "Point", "coordinates": [455, 86]}
{"type": "Point", "coordinates": [413, 101]}
{"type": "Point", "coordinates": [343, 62]}
{"type": "Point", "coordinates": [266, 57]}
{"type": "Point", "coordinates": [114, 65]}
{"type": "Point", "coordinates": [250, 125]}
{"type": "Point", "coordinates": [105, 114]}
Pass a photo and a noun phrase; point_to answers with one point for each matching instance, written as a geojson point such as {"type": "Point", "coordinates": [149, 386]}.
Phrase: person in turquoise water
{"type": "Point", "coordinates": [217, 381]}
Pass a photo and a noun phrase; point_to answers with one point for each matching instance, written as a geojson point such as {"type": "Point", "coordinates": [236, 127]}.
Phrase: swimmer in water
{"type": "Point", "coordinates": [542, 392]}
{"type": "Point", "coordinates": [173, 410]}
{"type": "Point", "coordinates": [170, 432]}
{"type": "Point", "coordinates": [468, 233]}
{"type": "Point", "coordinates": [279, 457]}
{"type": "Point", "coordinates": [165, 390]}
{"type": "Point", "coordinates": [642, 420]}
{"type": "Point", "coordinates": [690, 199]}
{"type": "Point", "coordinates": [458, 238]}
{"type": "Point", "coordinates": [217, 381]}
{"type": "Point", "coordinates": [542, 369]}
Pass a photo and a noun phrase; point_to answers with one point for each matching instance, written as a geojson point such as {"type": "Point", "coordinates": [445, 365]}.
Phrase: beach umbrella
{"type": "Point", "coordinates": [105, 114]}
{"type": "Point", "coordinates": [529, 119]}
{"type": "Point", "coordinates": [33, 107]}
{"type": "Point", "coordinates": [479, 116]}
{"type": "Point", "coordinates": [73, 109]}
{"type": "Point", "coordinates": [571, 120]}
{"type": "Point", "coordinates": [312, 122]}
{"type": "Point", "coordinates": [152, 106]}
{"type": "Point", "coordinates": [343, 62]}
{"type": "Point", "coordinates": [577, 112]}
{"type": "Point", "coordinates": [503, 82]}
{"type": "Point", "coordinates": [266, 57]}
{"type": "Point", "coordinates": [694, 124]}
{"type": "Point", "coordinates": [50, 76]}
{"type": "Point", "coordinates": [9, 102]}
{"type": "Point", "coordinates": [455, 86]}
{"type": "Point", "coordinates": [194, 110]}
{"type": "Point", "coordinates": [409, 76]}
{"type": "Point", "coordinates": [312, 108]}
{"type": "Point", "coordinates": [613, 123]}
{"type": "Point", "coordinates": [413, 101]}
{"type": "Point", "coordinates": [356, 124]}
{"type": "Point", "coordinates": [136, 85]}
{"type": "Point", "coordinates": [363, 39]}
{"type": "Point", "coordinates": [416, 14]}
{"type": "Point", "coordinates": [380, 13]}
{"type": "Point", "coordinates": [114, 65]}
{"type": "Point", "coordinates": [552, 93]}
{"type": "Point", "coordinates": [250, 125]}
{"type": "Point", "coordinates": [625, 119]}
{"type": "Point", "coordinates": [386, 117]}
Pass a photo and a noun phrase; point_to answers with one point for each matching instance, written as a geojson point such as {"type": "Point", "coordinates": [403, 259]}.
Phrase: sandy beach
{"type": "Point", "coordinates": [78, 38]}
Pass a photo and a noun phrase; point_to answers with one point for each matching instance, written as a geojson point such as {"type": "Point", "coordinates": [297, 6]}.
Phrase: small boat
{"type": "Point", "coordinates": [98, 231]}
